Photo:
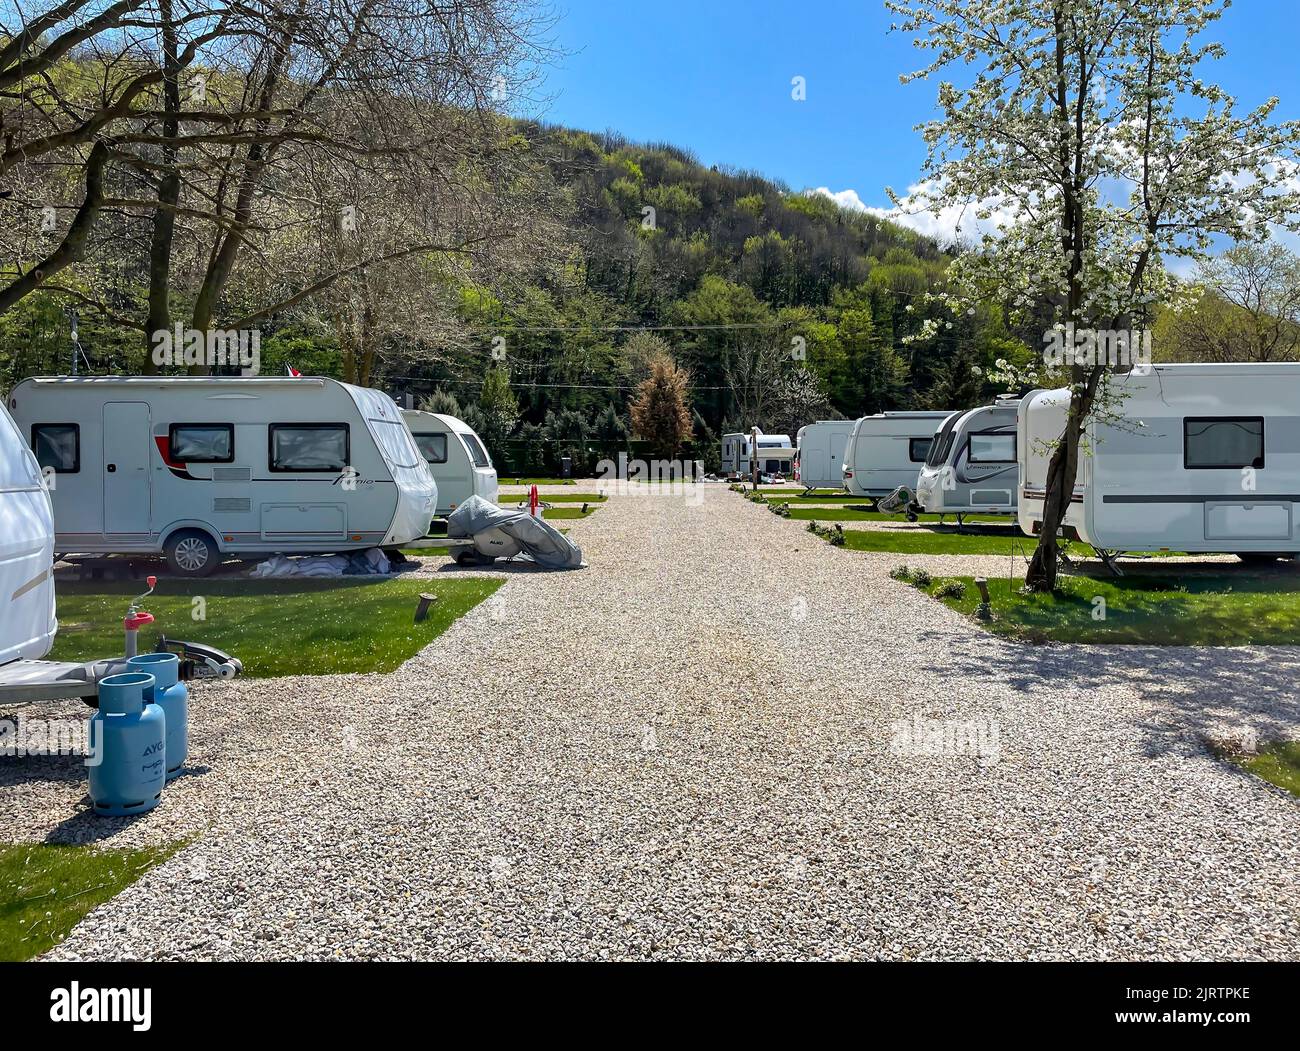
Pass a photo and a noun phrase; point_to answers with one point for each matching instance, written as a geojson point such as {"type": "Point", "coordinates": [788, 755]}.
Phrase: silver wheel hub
{"type": "Point", "coordinates": [192, 553]}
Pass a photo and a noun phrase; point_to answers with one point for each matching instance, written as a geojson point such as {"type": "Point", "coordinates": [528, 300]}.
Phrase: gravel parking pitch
{"type": "Point", "coordinates": [713, 744]}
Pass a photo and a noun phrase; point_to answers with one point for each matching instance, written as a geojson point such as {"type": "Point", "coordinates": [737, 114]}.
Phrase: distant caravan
{"type": "Point", "coordinates": [819, 460]}
{"type": "Point", "coordinates": [775, 454]}
{"type": "Point", "coordinates": [1197, 458]}
{"type": "Point", "coordinates": [887, 450]}
{"type": "Point", "coordinates": [972, 468]}
{"type": "Point", "coordinates": [198, 468]}
{"type": "Point", "coordinates": [456, 457]}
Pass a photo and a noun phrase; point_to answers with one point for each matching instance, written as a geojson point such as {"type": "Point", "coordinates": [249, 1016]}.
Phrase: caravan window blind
{"type": "Point", "coordinates": [309, 446]}
{"type": "Point", "coordinates": [57, 447]}
{"type": "Point", "coordinates": [918, 449]}
{"type": "Point", "coordinates": [1229, 442]}
{"type": "Point", "coordinates": [202, 442]}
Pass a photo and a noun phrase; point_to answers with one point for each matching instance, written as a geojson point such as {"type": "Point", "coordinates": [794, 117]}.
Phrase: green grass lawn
{"type": "Point", "coordinates": [551, 514]}
{"type": "Point", "coordinates": [45, 890]}
{"type": "Point", "coordinates": [512, 499]}
{"type": "Point", "coordinates": [1278, 763]}
{"type": "Point", "coordinates": [1227, 609]}
{"type": "Point", "coordinates": [275, 627]}
{"type": "Point", "coordinates": [793, 496]}
{"type": "Point", "coordinates": [859, 513]}
{"type": "Point", "coordinates": [946, 541]}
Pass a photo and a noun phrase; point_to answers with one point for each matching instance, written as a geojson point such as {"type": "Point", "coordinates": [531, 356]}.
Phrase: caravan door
{"type": "Point", "coordinates": [126, 467]}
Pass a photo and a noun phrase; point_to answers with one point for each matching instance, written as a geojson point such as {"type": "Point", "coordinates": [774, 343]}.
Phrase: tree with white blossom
{"type": "Point", "coordinates": [1086, 123]}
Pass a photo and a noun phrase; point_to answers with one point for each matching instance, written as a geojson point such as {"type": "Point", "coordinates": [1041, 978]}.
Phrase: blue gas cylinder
{"type": "Point", "coordinates": [128, 739]}
{"type": "Point", "coordinates": [173, 697]}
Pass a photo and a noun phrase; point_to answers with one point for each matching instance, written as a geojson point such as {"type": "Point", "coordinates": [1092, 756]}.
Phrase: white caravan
{"type": "Point", "coordinates": [1199, 458]}
{"type": "Point", "coordinates": [456, 456]}
{"type": "Point", "coordinates": [821, 454]}
{"type": "Point", "coordinates": [733, 451]}
{"type": "Point", "coordinates": [197, 467]}
{"type": "Point", "coordinates": [27, 623]}
{"type": "Point", "coordinates": [972, 466]}
{"type": "Point", "coordinates": [887, 450]}
{"type": "Point", "coordinates": [775, 454]}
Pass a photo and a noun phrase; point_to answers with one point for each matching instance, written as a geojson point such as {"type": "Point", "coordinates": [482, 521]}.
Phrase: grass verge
{"type": "Point", "coordinates": [942, 541]}
{"type": "Point", "coordinates": [860, 513]}
{"type": "Point", "coordinates": [561, 513]}
{"type": "Point", "coordinates": [276, 627]}
{"type": "Point", "coordinates": [1211, 610]}
{"type": "Point", "coordinates": [1277, 763]}
{"type": "Point", "coordinates": [46, 889]}
{"type": "Point", "coordinates": [554, 498]}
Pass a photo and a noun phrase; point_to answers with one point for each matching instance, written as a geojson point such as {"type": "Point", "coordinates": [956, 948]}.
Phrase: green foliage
{"type": "Point", "coordinates": [499, 409]}
{"type": "Point", "coordinates": [442, 402]}
{"type": "Point", "coordinates": [951, 589]}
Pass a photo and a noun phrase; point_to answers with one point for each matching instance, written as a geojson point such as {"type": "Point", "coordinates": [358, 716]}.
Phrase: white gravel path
{"type": "Point", "coordinates": [684, 751]}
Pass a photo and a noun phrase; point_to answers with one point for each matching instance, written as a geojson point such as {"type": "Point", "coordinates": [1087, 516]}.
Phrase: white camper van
{"type": "Point", "coordinates": [456, 456]}
{"type": "Point", "coordinates": [1199, 458]}
{"type": "Point", "coordinates": [197, 467]}
{"type": "Point", "coordinates": [887, 450]}
{"type": "Point", "coordinates": [972, 466]}
{"type": "Point", "coordinates": [27, 623]}
{"type": "Point", "coordinates": [775, 454]}
{"type": "Point", "coordinates": [821, 454]}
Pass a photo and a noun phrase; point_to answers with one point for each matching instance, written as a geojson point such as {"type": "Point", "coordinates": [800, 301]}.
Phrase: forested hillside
{"type": "Point", "coordinates": [781, 305]}
{"type": "Point", "coordinates": [747, 283]}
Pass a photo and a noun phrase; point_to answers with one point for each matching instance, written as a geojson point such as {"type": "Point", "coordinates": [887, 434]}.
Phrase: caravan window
{"type": "Point", "coordinates": [918, 449]}
{"type": "Point", "coordinates": [476, 451]}
{"type": "Point", "coordinates": [433, 447]}
{"type": "Point", "coordinates": [395, 442]}
{"type": "Point", "coordinates": [202, 442]}
{"type": "Point", "coordinates": [1223, 441]}
{"type": "Point", "coordinates": [309, 446]}
{"type": "Point", "coordinates": [57, 446]}
{"type": "Point", "coordinates": [941, 443]}
{"type": "Point", "coordinates": [991, 447]}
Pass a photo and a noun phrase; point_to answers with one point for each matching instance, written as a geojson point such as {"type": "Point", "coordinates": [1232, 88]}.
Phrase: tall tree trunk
{"type": "Point", "coordinates": [222, 261]}
{"type": "Point", "coordinates": [169, 191]}
{"type": "Point", "coordinates": [1063, 466]}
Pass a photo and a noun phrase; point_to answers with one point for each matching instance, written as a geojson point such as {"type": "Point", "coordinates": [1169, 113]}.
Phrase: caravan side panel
{"type": "Point", "coordinates": [27, 621]}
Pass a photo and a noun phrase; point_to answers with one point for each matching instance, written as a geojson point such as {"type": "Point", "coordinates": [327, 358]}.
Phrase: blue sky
{"type": "Point", "coordinates": [714, 76]}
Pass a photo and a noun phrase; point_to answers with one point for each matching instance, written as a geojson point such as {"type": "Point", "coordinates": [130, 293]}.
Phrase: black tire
{"type": "Point", "coordinates": [192, 553]}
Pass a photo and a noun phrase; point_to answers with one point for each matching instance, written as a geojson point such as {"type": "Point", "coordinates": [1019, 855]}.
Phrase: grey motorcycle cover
{"type": "Point", "coordinates": [541, 541]}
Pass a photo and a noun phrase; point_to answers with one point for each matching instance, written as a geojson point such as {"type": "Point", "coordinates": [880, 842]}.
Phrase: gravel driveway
{"type": "Point", "coordinates": [709, 745]}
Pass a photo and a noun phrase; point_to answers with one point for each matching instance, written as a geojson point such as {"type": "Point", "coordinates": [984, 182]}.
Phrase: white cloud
{"type": "Point", "coordinates": [948, 225]}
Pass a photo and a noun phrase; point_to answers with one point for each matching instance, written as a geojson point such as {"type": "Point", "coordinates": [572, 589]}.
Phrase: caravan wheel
{"type": "Point", "coordinates": [191, 553]}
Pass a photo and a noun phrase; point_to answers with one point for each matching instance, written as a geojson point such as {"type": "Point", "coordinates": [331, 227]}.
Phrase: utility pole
{"type": "Point", "coordinates": [76, 347]}
{"type": "Point", "coordinates": [753, 457]}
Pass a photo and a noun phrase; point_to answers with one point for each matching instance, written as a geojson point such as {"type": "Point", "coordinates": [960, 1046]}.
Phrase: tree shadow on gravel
{"type": "Point", "coordinates": [1189, 688]}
